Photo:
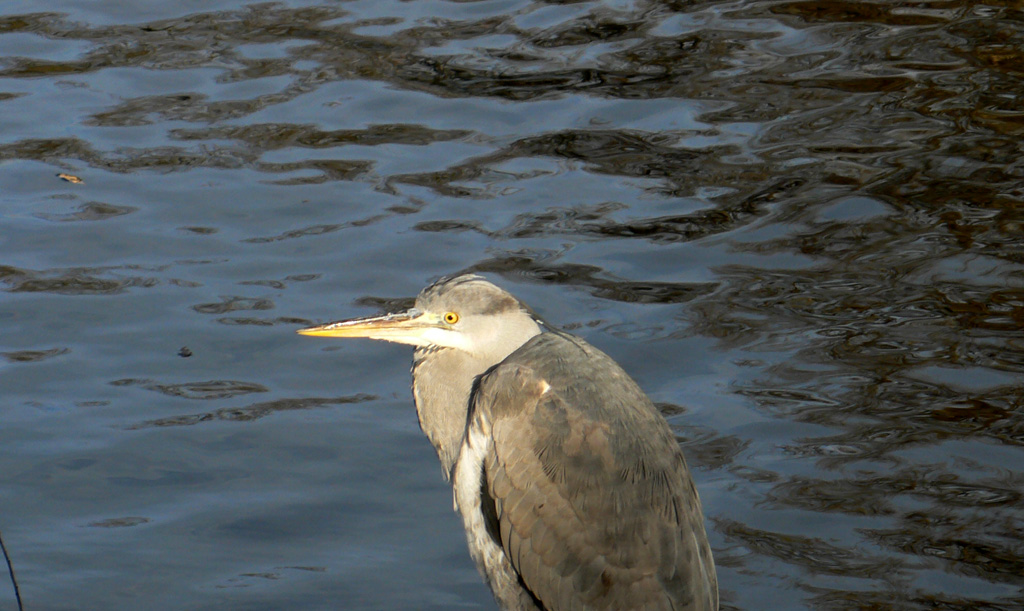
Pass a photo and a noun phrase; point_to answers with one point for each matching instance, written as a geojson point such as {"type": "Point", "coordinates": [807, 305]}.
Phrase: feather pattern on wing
{"type": "Point", "coordinates": [594, 504]}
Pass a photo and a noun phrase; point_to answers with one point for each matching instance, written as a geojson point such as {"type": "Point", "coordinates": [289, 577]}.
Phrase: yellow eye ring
{"type": "Point", "coordinates": [451, 318]}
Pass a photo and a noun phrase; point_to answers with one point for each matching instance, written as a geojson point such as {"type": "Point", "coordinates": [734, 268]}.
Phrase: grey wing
{"type": "Point", "coordinates": [592, 501]}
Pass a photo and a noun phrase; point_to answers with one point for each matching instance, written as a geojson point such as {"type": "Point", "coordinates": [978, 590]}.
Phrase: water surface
{"type": "Point", "coordinates": [798, 224]}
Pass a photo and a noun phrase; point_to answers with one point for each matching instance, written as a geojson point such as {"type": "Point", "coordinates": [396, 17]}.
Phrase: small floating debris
{"type": "Point", "coordinates": [71, 178]}
{"type": "Point", "coordinates": [184, 352]}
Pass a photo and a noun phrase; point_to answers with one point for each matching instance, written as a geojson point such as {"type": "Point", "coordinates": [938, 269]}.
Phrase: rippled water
{"type": "Point", "coordinates": [798, 224]}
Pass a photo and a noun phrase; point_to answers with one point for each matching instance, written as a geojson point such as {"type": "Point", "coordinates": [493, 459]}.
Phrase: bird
{"type": "Point", "coordinates": [572, 488]}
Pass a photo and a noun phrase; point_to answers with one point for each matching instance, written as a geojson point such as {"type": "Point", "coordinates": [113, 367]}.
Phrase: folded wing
{"type": "Point", "coordinates": [584, 487]}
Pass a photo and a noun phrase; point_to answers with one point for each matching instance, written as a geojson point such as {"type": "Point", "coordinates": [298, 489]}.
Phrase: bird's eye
{"type": "Point", "coordinates": [451, 318]}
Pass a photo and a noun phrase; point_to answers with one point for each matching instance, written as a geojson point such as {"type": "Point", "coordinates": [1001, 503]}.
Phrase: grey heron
{"type": "Point", "coordinates": [572, 488]}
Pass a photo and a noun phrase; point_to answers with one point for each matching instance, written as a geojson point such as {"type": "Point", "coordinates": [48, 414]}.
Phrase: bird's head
{"type": "Point", "coordinates": [465, 313]}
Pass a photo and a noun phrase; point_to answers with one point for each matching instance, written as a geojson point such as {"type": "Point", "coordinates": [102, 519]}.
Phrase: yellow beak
{"type": "Point", "coordinates": [406, 327]}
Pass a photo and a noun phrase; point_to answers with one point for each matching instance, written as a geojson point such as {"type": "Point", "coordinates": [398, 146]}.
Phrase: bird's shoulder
{"type": "Point", "coordinates": [559, 382]}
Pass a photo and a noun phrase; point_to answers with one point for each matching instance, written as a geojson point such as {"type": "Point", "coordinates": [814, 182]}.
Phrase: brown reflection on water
{"type": "Point", "coordinates": [75, 281]}
{"type": "Point", "coordinates": [533, 267]}
{"type": "Point", "coordinates": [33, 356]}
{"type": "Point", "coordinates": [813, 554]}
{"type": "Point", "coordinates": [899, 367]}
{"type": "Point", "coordinates": [90, 211]}
{"type": "Point", "coordinates": [254, 411]}
{"type": "Point", "coordinates": [212, 389]}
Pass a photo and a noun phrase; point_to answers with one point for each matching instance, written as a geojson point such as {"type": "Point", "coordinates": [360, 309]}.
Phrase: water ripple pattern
{"type": "Point", "coordinates": [798, 223]}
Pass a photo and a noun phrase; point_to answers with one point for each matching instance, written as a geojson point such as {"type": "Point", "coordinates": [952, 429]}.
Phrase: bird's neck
{"type": "Point", "coordinates": [442, 404]}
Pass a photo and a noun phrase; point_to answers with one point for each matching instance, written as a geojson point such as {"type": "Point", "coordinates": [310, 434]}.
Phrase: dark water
{"type": "Point", "coordinates": [799, 225]}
